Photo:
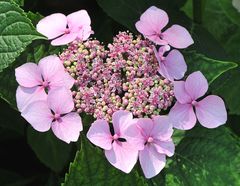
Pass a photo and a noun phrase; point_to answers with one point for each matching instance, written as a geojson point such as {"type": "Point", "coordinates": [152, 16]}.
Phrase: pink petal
{"type": "Point", "coordinates": [99, 134]}
{"type": "Point", "coordinates": [145, 126]}
{"type": "Point", "coordinates": [79, 19]}
{"type": "Point", "coordinates": [68, 127]}
{"type": "Point", "coordinates": [53, 25]}
{"type": "Point", "coordinates": [162, 128]}
{"type": "Point", "coordinates": [196, 85]}
{"type": "Point", "coordinates": [211, 112]}
{"type": "Point", "coordinates": [151, 161]}
{"type": "Point", "coordinates": [182, 116]}
{"type": "Point", "coordinates": [121, 120]}
{"type": "Point", "coordinates": [165, 147]}
{"type": "Point", "coordinates": [177, 36]}
{"type": "Point", "coordinates": [26, 96]}
{"type": "Point", "coordinates": [65, 39]}
{"type": "Point", "coordinates": [38, 115]}
{"type": "Point", "coordinates": [133, 136]}
{"type": "Point", "coordinates": [61, 79]}
{"type": "Point", "coordinates": [28, 75]}
{"type": "Point", "coordinates": [84, 33]}
{"type": "Point", "coordinates": [181, 93]}
{"type": "Point", "coordinates": [152, 21]}
{"type": "Point", "coordinates": [50, 66]}
{"type": "Point", "coordinates": [60, 100]}
{"type": "Point", "coordinates": [175, 65]}
{"type": "Point", "coordinates": [122, 156]}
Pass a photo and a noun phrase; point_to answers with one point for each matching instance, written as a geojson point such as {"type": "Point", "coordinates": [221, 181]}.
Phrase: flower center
{"type": "Point", "coordinates": [194, 103]}
{"type": "Point", "coordinates": [150, 140]}
{"type": "Point", "coordinates": [115, 136]}
{"type": "Point", "coordinates": [56, 116]}
{"type": "Point", "coordinates": [45, 84]}
{"type": "Point", "coordinates": [67, 31]}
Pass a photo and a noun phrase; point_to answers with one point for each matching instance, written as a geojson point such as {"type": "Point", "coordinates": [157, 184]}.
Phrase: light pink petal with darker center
{"type": "Point", "coordinates": [175, 65]}
{"type": "Point", "coordinates": [26, 96]}
{"type": "Point", "coordinates": [28, 75]}
{"type": "Point", "coordinates": [178, 37]}
{"type": "Point", "coordinates": [151, 161]}
{"type": "Point", "coordinates": [196, 85]}
{"type": "Point", "coordinates": [180, 92]}
{"type": "Point", "coordinates": [38, 115]}
{"type": "Point", "coordinates": [78, 20]}
{"type": "Point", "coordinates": [211, 112]}
{"type": "Point", "coordinates": [99, 134]}
{"type": "Point", "coordinates": [162, 128]}
{"type": "Point", "coordinates": [68, 127]}
{"type": "Point", "coordinates": [182, 116]}
{"type": "Point", "coordinates": [60, 100]}
{"type": "Point", "coordinates": [122, 156]}
{"type": "Point", "coordinates": [65, 39]}
{"type": "Point", "coordinates": [145, 126]}
{"type": "Point", "coordinates": [53, 25]}
{"type": "Point", "coordinates": [165, 147]}
{"type": "Point", "coordinates": [50, 66]}
{"type": "Point", "coordinates": [121, 120]}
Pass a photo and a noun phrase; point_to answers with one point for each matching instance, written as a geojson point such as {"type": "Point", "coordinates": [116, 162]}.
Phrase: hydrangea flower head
{"type": "Point", "coordinates": [210, 111]}
{"type": "Point", "coordinates": [64, 29]}
{"type": "Point", "coordinates": [151, 23]}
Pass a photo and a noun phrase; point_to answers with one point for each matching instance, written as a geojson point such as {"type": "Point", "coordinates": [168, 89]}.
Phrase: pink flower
{"type": "Point", "coordinates": [55, 113]}
{"type": "Point", "coordinates": [172, 66]}
{"type": "Point", "coordinates": [156, 134]}
{"type": "Point", "coordinates": [153, 20]}
{"type": "Point", "coordinates": [64, 29]}
{"type": "Point", "coordinates": [121, 148]}
{"type": "Point", "coordinates": [210, 111]}
{"type": "Point", "coordinates": [35, 79]}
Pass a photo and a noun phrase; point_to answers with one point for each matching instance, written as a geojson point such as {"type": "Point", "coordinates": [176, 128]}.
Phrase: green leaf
{"type": "Point", "coordinates": [127, 12]}
{"type": "Point", "coordinates": [51, 151]}
{"type": "Point", "coordinates": [230, 11]}
{"type": "Point", "coordinates": [19, 2]}
{"type": "Point", "coordinates": [206, 157]}
{"type": "Point", "coordinates": [228, 86]}
{"type": "Point", "coordinates": [90, 167]}
{"type": "Point", "coordinates": [16, 32]}
{"type": "Point", "coordinates": [211, 68]}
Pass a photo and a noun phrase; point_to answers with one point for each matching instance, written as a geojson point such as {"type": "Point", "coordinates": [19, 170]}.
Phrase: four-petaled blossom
{"type": "Point", "coordinates": [66, 28]}
{"type": "Point", "coordinates": [121, 148]}
{"type": "Point", "coordinates": [210, 111]}
{"type": "Point", "coordinates": [172, 66]}
{"type": "Point", "coordinates": [35, 79]}
{"type": "Point", "coordinates": [156, 134]}
{"type": "Point", "coordinates": [153, 20]}
{"type": "Point", "coordinates": [55, 113]}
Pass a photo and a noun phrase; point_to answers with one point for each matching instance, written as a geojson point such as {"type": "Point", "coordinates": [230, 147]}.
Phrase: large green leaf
{"type": "Point", "coordinates": [16, 32]}
{"type": "Point", "coordinates": [51, 151]}
{"type": "Point", "coordinates": [206, 157]}
{"type": "Point", "coordinates": [211, 68]}
{"type": "Point", "coordinates": [90, 167]}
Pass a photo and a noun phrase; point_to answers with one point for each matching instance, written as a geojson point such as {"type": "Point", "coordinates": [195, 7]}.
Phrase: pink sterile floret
{"type": "Point", "coordinates": [151, 23]}
{"type": "Point", "coordinates": [55, 113]}
{"type": "Point", "coordinates": [210, 111]}
{"type": "Point", "coordinates": [156, 136]}
{"type": "Point", "coordinates": [64, 29]}
{"type": "Point", "coordinates": [35, 80]}
{"type": "Point", "coordinates": [121, 147]}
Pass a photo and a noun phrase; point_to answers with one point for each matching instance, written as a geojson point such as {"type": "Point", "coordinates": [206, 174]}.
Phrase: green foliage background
{"type": "Point", "coordinates": [203, 156]}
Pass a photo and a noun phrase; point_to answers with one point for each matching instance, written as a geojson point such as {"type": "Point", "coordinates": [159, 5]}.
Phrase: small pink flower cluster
{"type": "Point", "coordinates": [124, 77]}
{"type": "Point", "coordinates": [128, 84]}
